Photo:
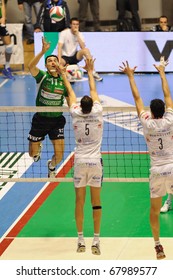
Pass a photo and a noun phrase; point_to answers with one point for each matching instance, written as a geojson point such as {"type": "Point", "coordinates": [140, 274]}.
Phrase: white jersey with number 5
{"type": "Point", "coordinates": [158, 134]}
{"type": "Point", "coordinates": [88, 130]}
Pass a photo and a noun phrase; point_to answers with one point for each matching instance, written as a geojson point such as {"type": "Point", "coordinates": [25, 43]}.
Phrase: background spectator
{"type": "Point", "coordinates": [72, 48]}
{"type": "Point", "coordinates": [44, 22]}
{"type": "Point", "coordinates": [83, 9]}
{"type": "Point", "coordinates": [132, 6]}
{"type": "Point", "coordinates": [163, 25]}
{"type": "Point", "coordinates": [27, 6]}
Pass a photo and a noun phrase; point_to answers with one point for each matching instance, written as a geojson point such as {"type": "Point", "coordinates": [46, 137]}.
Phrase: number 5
{"type": "Point", "coordinates": [87, 129]}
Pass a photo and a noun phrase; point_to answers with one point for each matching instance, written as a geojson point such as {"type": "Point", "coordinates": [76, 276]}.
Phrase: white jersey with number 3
{"type": "Point", "coordinates": [88, 130]}
{"type": "Point", "coordinates": [158, 134]}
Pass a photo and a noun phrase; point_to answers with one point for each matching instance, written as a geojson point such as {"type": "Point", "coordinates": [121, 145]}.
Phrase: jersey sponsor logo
{"type": "Point", "coordinates": [60, 91]}
{"type": "Point", "coordinates": [91, 164]}
{"type": "Point", "coordinates": [51, 95]}
{"type": "Point", "coordinates": [97, 178]}
{"type": "Point", "coordinates": [77, 179]}
{"type": "Point", "coordinates": [34, 138]}
{"type": "Point", "coordinates": [161, 174]}
{"type": "Point", "coordinates": [60, 133]}
{"type": "Point", "coordinates": [50, 102]}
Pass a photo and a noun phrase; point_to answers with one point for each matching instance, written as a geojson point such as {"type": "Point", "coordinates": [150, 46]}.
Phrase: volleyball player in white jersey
{"type": "Point", "coordinates": [88, 128]}
{"type": "Point", "coordinates": [158, 133]}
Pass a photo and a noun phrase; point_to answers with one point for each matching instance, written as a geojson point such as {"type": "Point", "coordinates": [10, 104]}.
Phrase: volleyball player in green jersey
{"type": "Point", "coordinates": [51, 92]}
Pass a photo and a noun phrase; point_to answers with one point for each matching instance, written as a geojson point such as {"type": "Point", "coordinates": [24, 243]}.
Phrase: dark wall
{"type": "Point", "coordinates": [167, 10]}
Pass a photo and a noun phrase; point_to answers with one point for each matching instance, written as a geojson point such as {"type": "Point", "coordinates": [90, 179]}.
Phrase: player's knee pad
{"type": "Point", "coordinates": [9, 48]}
{"type": "Point", "coordinates": [97, 207]}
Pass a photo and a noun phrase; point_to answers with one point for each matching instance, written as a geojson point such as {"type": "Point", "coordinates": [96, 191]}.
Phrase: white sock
{"type": "Point", "coordinates": [96, 237]}
{"type": "Point", "coordinates": [81, 238]}
{"type": "Point", "coordinates": [157, 243]}
{"type": "Point", "coordinates": [7, 65]}
{"type": "Point", "coordinates": [51, 167]}
{"type": "Point", "coordinates": [80, 235]}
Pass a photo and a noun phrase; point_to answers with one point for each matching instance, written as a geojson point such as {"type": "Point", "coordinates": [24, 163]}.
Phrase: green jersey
{"type": "Point", "coordinates": [51, 92]}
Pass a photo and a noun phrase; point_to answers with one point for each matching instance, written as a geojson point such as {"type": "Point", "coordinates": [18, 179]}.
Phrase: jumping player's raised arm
{"type": "Point", "coordinates": [136, 95]}
{"type": "Point", "coordinates": [71, 94]}
{"type": "Point", "coordinates": [89, 67]}
{"type": "Point", "coordinates": [165, 87]}
{"type": "Point", "coordinates": [33, 63]}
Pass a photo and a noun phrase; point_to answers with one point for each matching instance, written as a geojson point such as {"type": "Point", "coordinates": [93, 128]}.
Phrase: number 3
{"type": "Point", "coordinates": [161, 143]}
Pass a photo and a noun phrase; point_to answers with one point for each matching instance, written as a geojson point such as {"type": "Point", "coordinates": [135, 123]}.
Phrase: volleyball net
{"type": "Point", "coordinates": [124, 151]}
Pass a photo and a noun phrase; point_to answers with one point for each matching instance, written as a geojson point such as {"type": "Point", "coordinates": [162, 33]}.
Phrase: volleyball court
{"type": "Point", "coordinates": [39, 211]}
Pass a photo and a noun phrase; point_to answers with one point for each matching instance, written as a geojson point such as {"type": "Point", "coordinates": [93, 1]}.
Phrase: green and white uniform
{"type": "Point", "coordinates": [51, 92]}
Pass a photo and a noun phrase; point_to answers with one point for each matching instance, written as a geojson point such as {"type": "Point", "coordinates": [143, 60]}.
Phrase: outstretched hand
{"type": "Point", "coordinates": [162, 65]}
{"type": "Point", "coordinates": [61, 69]}
{"type": "Point", "coordinates": [89, 64]}
{"type": "Point", "coordinates": [45, 45]}
{"type": "Point", "coordinates": [126, 68]}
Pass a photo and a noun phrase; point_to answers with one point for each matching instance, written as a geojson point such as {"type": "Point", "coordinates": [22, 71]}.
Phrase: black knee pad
{"type": "Point", "coordinates": [97, 207]}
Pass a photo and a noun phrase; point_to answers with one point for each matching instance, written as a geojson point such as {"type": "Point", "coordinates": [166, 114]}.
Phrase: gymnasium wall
{"type": "Point", "coordinates": [147, 9]}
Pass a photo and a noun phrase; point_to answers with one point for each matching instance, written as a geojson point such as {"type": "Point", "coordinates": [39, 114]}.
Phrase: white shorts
{"type": "Point", "coordinates": [161, 180]}
{"type": "Point", "coordinates": [88, 173]}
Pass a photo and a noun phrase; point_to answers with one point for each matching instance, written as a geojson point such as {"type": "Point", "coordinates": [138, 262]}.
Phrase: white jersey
{"type": "Point", "coordinates": [69, 42]}
{"type": "Point", "coordinates": [88, 130]}
{"type": "Point", "coordinates": [158, 134]}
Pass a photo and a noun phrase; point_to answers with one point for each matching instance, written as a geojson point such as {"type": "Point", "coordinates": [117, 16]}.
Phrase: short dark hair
{"type": "Point", "coordinates": [74, 19]}
{"type": "Point", "coordinates": [51, 55]}
{"type": "Point", "coordinates": [163, 16]}
{"type": "Point", "coordinates": [157, 107]}
{"type": "Point", "coordinates": [86, 104]}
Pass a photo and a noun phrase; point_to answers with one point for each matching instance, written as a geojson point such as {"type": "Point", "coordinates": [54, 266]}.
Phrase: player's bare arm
{"type": "Point", "coordinates": [60, 52]}
{"type": "Point", "coordinates": [71, 94]}
{"type": "Point", "coordinates": [32, 65]}
{"type": "Point", "coordinates": [165, 87]}
{"type": "Point", "coordinates": [89, 67]}
{"type": "Point", "coordinates": [125, 68]}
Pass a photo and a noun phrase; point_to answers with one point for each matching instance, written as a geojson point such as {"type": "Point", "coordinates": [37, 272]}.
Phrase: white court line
{"type": "Point", "coordinates": [3, 83]}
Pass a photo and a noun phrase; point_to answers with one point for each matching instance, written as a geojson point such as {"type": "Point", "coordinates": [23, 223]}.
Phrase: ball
{"type": "Point", "coordinates": [75, 72]}
{"type": "Point", "coordinates": [78, 74]}
{"type": "Point", "coordinates": [57, 13]}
